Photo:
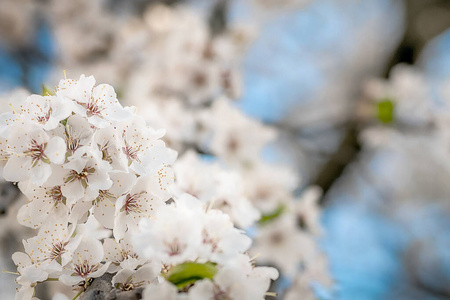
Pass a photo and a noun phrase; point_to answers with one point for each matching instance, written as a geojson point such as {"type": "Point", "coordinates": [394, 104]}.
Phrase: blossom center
{"type": "Point", "coordinates": [57, 250]}
{"type": "Point", "coordinates": [42, 119]}
{"type": "Point", "coordinates": [174, 247]}
{"type": "Point", "coordinates": [131, 152]}
{"type": "Point", "coordinates": [209, 240]}
{"type": "Point", "coordinates": [85, 268]}
{"type": "Point", "coordinates": [73, 143]}
{"type": "Point", "coordinates": [36, 152]}
{"type": "Point", "coordinates": [56, 195]}
{"type": "Point", "coordinates": [132, 203]}
{"type": "Point", "coordinates": [83, 176]}
{"type": "Point", "coordinates": [233, 145]}
{"type": "Point", "coordinates": [129, 285]}
{"type": "Point", "coordinates": [105, 154]}
{"type": "Point", "coordinates": [276, 238]}
{"type": "Point", "coordinates": [219, 294]}
{"type": "Point", "coordinates": [104, 194]}
{"type": "Point", "coordinates": [92, 109]}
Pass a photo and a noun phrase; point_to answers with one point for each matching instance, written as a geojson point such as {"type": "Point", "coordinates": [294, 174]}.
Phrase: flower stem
{"type": "Point", "coordinates": [77, 295]}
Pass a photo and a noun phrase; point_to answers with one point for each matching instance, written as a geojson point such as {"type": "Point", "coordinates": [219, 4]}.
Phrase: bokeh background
{"type": "Point", "coordinates": [310, 69]}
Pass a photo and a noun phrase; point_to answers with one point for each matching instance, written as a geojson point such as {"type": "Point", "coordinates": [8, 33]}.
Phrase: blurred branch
{"type": "Point", "coordinates": [425, 20]}
{"type": "Point", "coordinates": [218, 17]}
{"type": "Point", "coordinates": [101, 289]}
{"type": "Point", "coordinates": [9, 193]}
{"type": "Point", "coordinates": [345, 154]}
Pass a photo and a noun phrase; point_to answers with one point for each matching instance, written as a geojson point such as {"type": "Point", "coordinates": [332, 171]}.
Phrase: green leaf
{"type": "Point", "coordinates": [46, 91]}
{"type": "Point", "coordinates": [385, 111]}
{"type": "Point", "coordinates": [273, 215]}
{"type": "Point", "coordinates": [189, 272]}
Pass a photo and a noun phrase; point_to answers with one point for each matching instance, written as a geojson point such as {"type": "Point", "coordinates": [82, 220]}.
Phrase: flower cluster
{"type": "Point", "coordinates": [213, 184]}
{"type": "Point", "coordinates": [187, 230]}
{"type": "Point", "coordinates": [204, 71]}
{"type": "Point", "coordinates": [220, 147]}
{"type": "Point", "coordinates": [184, 78]}
{"type": "Point", "coordinates": [235, 179]}
{"type": "Point", "coordinates": [81, 158]}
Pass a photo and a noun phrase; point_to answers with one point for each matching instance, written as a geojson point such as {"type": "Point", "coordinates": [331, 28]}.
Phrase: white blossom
{"type": "Point", "coordinates": [239, 141]}
{"type": "Point", "coordinates": [98, 104]}
{"type": "Point", "coordinates": [283, 244]}
{"type": "Point", "coordinates": [44, 202]}
{"type": "Point", "coordinates": [121, 254]}
{"type": "Point", "coordinates": [128, 279]}
{"type": "Point", "coordinates": [315, 271]}
{"type": "Point", "coordinates": [143, 148]}
{"type": "Point", "coordinates": [270, 186]}
{"type": "Point", "coordinates": [236, 280]}
{"type": "Point", "coordinates": [213, 184]}
{"type": "Point", "coordinates": [162, 290]}
{"type": "Point", "coordinates": [45, 111]}
{"type": "Point", "coordinates": [86, 262]}
{"type": "Point", "coordinates": [138, 204]}
{"type": "Point", "coordinates": [32, 151]}
{"type": "Point", "coordinates": [176, 232]}
{"type": "Point", "coordinates": [86, 174]}
{"type": "Point", "coordinates": [409, 92]}
{"type": "Point", "coordinates": [47, 253]}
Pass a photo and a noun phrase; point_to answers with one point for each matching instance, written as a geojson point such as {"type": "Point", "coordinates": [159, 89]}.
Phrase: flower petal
{"type": "Point", "coordinates": [56, 150]}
